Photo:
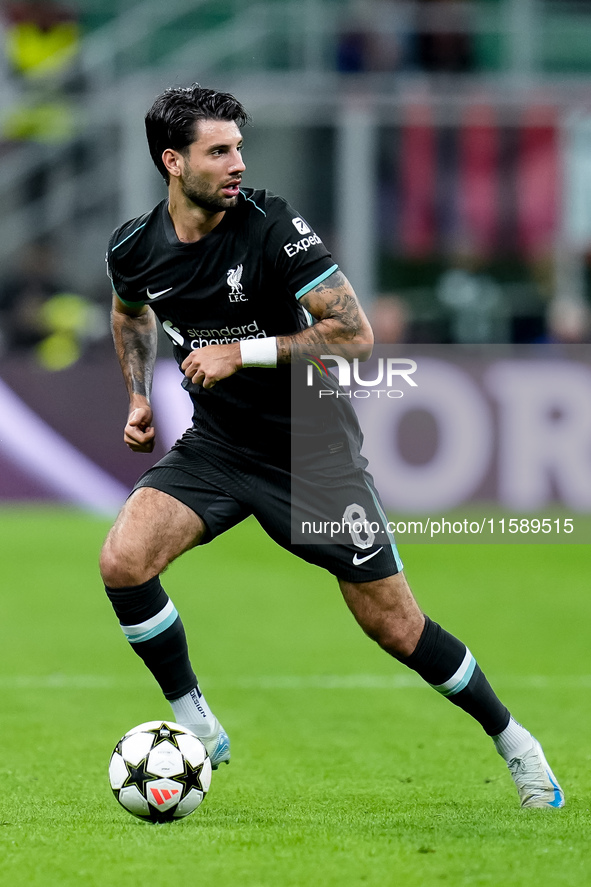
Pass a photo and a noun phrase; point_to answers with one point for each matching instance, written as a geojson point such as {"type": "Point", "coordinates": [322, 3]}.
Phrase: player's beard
{"type": "Point", "coordinates": [204, 195]}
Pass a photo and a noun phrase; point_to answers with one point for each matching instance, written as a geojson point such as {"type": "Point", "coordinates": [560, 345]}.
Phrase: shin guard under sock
{"type": "Point", "coordinates": [153, 627]}
{"type": "Point", "coordinates": [449, 667]}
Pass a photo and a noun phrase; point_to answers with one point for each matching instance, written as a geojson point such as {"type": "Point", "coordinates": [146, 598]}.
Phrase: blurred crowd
{"type": "Point", "coordinates": [39, 72]}
{"type": "Point", "coordinates": [471, 313]}
{"type": "Point", "coordinates": [386, 36]}
{"type": "Point", "coordinates": [40, 314]}
{"type": "Point", "coordinates": [41, 317]}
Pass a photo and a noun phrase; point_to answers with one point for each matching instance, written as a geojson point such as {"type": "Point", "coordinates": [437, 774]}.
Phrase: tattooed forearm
{"type": "Point", "coordinates": [339, 319]}
{"type": "Point", "coordinates": [135, 338]}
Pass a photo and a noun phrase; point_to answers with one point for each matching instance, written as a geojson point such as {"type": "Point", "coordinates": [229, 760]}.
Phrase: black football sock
{"type": "Point", "coordinates": [153, 627]}
{"type": "Point", "coordinates": [449, 667]}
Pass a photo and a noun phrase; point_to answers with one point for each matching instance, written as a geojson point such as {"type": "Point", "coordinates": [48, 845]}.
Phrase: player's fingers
{"type": "Point", "coordinates": [191, 372]}
{"type": "Point", "coordinates": [190, 364]}
{"type": "Point", "coordinates": [134, 434]}
{"type": "Point", "coordinates": [188, 361]}
{"type": "Point", "coordinates": [199, 377]}
{"type": "Point", "coordinates": [141, 448]}
{"type": "Point", "coordinates": [139, 418]}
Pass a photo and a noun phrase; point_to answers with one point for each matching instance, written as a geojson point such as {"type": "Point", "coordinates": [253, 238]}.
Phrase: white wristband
{"type": "Point", "coordinates": [259, 352]}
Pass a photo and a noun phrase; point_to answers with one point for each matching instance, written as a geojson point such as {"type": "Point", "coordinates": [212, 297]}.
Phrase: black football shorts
{"type": "Point", "coordinates": [331, 517]}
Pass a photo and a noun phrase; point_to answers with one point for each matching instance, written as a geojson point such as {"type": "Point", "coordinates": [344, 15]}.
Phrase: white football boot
{"type": "Point", "coordinates": [536, 784]}
{"type": "Point", "coordinates": [217, 745]}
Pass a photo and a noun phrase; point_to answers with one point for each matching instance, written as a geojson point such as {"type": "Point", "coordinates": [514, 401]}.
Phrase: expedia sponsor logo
{"type": "Point", "coordinates": [302, 245]}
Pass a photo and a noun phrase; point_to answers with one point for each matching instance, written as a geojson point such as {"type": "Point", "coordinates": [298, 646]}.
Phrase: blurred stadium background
{"type": "Point", "coordinates": [441, 149]}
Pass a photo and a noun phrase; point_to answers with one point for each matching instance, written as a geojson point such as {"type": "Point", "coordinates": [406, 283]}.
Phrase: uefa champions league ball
{"type": "Point", "coordinates": [160, 771]}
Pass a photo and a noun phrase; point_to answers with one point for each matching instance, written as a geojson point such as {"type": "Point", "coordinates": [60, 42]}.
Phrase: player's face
{"type": "Point", "coordinates": [213, 166]}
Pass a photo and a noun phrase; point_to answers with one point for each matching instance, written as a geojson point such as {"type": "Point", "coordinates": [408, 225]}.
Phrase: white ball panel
{"type": "Point", "coordinates": [132, 800]}
{"type": "Point", "coordinates": [192, 748]}
{"type": "Point", "coordinates": [117, 771]}
{"type": "Point", "coordinates": [189, 803]}
{"type": "Point", "coordinates": [136, 746]}
{"type": "Point", "coordinates": [165, 760]}
{"type": "Point", "coordinates": [206, 775]}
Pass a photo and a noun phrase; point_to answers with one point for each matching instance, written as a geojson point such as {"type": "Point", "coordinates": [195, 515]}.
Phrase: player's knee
{"type": "Point", "coordinates": [119, 569]}
{"type": "Point", "coordinates": [109, 566]}
{"type": "Point", "coordinates": [397, 637]}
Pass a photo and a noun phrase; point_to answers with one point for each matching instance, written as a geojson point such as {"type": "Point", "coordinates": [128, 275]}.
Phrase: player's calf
{"type": "Point", "coordinates": [153, 627]}
{"type": "Point", "coordinates": [387, 612]}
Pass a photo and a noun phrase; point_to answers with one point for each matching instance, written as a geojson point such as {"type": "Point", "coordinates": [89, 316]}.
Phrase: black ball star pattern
{"type": "Point", "coordinates": [165, 733]}
{"type": "Point", "coordinates": [137, 775]}
{"type": "Point", "coordinates": [191, 778]}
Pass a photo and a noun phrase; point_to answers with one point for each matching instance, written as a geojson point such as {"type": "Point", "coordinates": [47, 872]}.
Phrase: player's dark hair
{"type": "Point", "coordinates": [170, 122]}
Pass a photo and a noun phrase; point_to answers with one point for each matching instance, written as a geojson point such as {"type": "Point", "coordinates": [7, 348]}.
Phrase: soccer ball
{"type": "Point", "coordinates": [160, 771]}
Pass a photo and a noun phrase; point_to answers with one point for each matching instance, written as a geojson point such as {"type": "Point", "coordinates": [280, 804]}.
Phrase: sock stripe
{"type": "Point", "coordinates": [460, 679]}
{"type": "Point", "coordinates": [152, 627]}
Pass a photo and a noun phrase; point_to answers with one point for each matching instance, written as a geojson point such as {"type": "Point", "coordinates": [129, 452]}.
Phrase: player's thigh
{"type": "Point", "coordinates": [152, 529]}
{"type": "Point", "coordinates": [334, 520]}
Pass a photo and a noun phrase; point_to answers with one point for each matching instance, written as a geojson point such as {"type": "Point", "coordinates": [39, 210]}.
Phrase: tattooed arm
{"type": "Point", "coordinates": [135, 336]}
{"type": "Point", "coordinates": [340, 321]}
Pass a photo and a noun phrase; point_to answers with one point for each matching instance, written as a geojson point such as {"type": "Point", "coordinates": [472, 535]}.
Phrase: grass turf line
{"type": "Point", "coordinates": [345, 786]}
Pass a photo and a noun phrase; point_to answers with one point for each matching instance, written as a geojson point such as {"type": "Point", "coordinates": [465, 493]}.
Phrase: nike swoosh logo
{"type": "Point", "coordinates": [155, 295]}
{"type": "Point", "coordinates": [361, 560]}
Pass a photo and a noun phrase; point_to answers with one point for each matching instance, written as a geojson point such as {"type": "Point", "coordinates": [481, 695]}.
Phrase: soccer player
{"type": "Point", "coordinates": [240, 282]}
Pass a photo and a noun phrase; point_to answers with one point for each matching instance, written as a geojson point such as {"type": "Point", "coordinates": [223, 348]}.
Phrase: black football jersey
{"type": "Point", "coordinates": [243, 280]}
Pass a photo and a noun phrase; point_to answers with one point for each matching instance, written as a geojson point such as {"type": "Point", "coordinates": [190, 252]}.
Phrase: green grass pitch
{"type": "Point", "coordinates": [345, 770]}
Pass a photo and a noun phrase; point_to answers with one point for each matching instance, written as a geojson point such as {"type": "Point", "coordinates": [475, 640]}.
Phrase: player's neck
{"type": "Point", "coordinates": [191, 222]}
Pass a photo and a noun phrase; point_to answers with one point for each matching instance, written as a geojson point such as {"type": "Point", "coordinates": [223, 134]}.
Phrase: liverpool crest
{"type": "Point", "coordinates": [236, 293]}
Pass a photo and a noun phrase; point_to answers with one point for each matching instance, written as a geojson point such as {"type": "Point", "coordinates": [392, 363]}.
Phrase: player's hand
{"type": "Point", "coordinates": [139, 432]}
{"type": "Point", "coordinates": [208, 365]}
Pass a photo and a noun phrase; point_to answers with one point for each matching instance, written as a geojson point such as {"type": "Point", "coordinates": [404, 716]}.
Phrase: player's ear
{"type": "Point", "coordinates": [171, 160]}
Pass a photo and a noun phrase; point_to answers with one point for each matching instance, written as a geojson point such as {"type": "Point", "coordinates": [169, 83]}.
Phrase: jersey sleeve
{"type": "Point", "coordinates": [294, 250]}
{"type": "Point", "coordinates": [116, 275]}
